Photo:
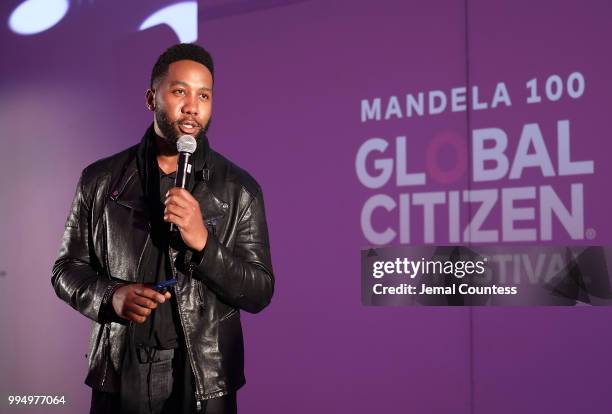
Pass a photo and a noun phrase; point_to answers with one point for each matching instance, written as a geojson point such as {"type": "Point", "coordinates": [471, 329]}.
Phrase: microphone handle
{"type": "Point", "coordinates": [182, 174]}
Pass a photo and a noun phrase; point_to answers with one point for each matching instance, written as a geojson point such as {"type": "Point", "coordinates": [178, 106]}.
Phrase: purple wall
{"type": "Point", "coordinates": [290, 79]}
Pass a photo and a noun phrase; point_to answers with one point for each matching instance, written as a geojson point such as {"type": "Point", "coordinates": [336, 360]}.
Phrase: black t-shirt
{"type": "Point", "coordinates": [160, 329]}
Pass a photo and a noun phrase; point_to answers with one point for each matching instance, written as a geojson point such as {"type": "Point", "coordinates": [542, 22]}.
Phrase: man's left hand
{"type": "Point", "coordinates": [184, 211]}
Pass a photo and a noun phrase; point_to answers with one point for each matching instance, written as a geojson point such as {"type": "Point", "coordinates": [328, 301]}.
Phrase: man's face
{"type": "Point", "coordinates": [182, 101]}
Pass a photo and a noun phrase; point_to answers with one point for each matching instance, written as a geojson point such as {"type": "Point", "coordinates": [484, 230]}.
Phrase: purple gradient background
{"type": "Point", "coordinates": [288, 85]}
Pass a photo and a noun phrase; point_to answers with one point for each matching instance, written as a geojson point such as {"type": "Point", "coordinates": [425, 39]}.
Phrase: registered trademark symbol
{"type": "Point", "coordinates": [590, 233]}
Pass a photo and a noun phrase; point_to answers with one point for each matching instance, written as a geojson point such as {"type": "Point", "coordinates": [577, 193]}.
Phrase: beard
{"type": "Point", "coordinates": [170, 129]}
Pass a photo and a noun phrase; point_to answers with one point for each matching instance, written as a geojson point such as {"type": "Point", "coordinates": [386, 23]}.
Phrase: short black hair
{"type": "Point", "coordinates": [181, 51]}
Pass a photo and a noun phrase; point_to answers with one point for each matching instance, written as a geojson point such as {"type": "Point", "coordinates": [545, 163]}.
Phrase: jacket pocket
{"type": "Point", "coordinates": [231, 313]}
{"type": "Point", "coordinates": [201, 292]}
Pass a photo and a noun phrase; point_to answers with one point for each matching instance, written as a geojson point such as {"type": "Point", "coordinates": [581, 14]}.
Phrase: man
{"type": "Point", "coordinates": [180, 350]}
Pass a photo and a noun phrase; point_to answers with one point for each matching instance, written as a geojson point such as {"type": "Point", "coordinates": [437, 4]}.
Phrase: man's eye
{"type": "Point", "coordinates": [204, 96]}
{"type": "Point", "coordinates": [179, 92]}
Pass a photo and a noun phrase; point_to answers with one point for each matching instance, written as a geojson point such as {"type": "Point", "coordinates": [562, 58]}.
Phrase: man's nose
{"type": "Point", "coordinates": [190, 105]}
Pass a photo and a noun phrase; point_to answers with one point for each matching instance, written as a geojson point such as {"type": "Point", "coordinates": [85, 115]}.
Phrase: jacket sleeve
{"type": "Point", "coordinates": [74, 277]}
{"type": "Point", "coordinates": [242, 277]}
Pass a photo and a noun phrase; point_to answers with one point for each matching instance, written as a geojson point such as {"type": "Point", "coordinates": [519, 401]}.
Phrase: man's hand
{"type": "Point", "coordinates": [135, 302]}
{"type": "Point", "coordinates": [184, 211]}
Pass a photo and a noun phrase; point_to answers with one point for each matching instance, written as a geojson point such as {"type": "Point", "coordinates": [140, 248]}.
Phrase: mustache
{"type": "Point", "coordinates": [190, 120]}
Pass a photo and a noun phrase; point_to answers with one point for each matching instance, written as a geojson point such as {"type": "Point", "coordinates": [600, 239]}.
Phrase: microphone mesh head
{"type": "Point", "coordinates": [186, 143]}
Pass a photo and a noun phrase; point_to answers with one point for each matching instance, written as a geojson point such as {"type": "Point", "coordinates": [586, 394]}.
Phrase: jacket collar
{"type": "Point", "coordinates": [142, 164]}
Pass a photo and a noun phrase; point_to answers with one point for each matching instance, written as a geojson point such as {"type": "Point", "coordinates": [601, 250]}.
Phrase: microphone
{"type": "Point", "coordinates": [186, 145]}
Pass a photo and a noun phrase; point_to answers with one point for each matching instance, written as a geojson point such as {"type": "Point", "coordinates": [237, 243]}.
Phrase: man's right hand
{"type": "Point", "coordinates": [135, 302]}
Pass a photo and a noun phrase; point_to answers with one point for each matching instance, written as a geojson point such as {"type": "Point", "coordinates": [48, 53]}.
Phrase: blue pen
{"type": "Point", "coordinates": [162, 286]}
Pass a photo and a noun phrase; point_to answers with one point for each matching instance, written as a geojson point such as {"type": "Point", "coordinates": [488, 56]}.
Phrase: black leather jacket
{"type": "Point", "coordinates": [105, 235]}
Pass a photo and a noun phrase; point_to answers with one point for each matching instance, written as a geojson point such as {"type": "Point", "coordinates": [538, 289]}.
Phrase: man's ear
{"type": "Point", "coordinates": [150, 99]}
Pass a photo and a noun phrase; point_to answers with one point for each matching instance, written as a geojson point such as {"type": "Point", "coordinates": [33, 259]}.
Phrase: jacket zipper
{"type": "Point", "coordinates": [106, 345]}
{"type": "Point", "coordinates": [106, 354]}
{"type": "Point", "coordinates": [187, 342]}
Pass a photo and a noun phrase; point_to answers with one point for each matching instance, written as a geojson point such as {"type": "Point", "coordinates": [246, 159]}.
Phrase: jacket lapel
{"type": "Point", "coordinates": [214, 210]}
{"type": "Point", "coordinates": [127, 222]}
